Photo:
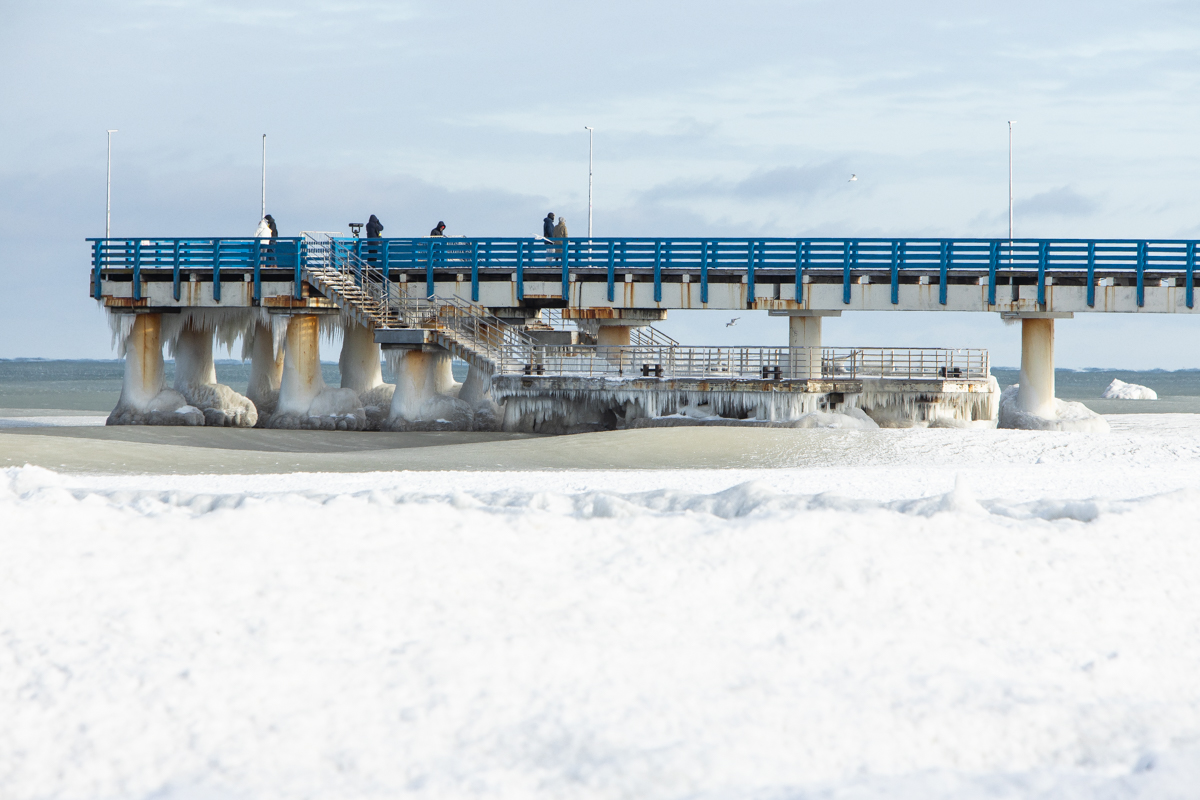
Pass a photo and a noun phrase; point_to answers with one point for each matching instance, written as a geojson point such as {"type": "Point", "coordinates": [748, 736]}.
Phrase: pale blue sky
{"type": "Point", "coordinates": [714, 118]}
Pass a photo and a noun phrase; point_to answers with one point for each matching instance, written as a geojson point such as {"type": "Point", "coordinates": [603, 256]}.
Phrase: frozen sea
{"type": "Point", "coordinates": [194, 614]}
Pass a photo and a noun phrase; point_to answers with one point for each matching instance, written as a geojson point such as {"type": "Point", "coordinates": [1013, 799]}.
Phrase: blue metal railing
{"type": "Point", "coordinates": [706, 257]}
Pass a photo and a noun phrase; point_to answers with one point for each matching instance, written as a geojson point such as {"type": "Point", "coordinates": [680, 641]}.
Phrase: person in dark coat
{"type": "Point", "coordinates": [374, 227]}
{"type": "Point", "coordinates": [440, 230]}
{"type": "Point", "coordinates": [274, 230]}
{"type": "Point", "coordinates": [548, 225]}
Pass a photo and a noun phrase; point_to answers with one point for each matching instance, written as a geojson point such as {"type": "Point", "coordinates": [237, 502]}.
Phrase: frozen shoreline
{"type": "Point", "coordinates": [911, 614]}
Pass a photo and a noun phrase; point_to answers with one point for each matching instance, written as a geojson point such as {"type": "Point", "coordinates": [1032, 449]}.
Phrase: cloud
{"type": "Point", "coordinates": [798, 183]}
{"type": "Point", "coordinates": [1061, 202]}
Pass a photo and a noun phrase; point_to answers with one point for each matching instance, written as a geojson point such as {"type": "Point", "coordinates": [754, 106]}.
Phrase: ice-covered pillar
{"type": "Point", "coordinates": [266, 370]}
{"type": "Point", "coordinates": [360, 360]}
{"type": "Point", "coordinates": [144, 372]}
{"type": "Point", "coordinates": [426, 391]}
{"type": "Point", "coordinates": [194, 364]}
{"type": "Point", "coordinates": [1036, 395]}
{"type": "Point", "coordinates": [302, 380]}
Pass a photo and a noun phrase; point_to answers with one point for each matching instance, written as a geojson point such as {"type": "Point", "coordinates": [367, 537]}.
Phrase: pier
{"type": "Point", "coordinates": [559, 335]}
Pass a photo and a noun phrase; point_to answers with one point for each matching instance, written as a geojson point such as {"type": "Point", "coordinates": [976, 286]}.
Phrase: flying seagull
{"type": "Point", "coordinates": [732, 322]}
{"type": "Point", "coordinates": [853, 178]}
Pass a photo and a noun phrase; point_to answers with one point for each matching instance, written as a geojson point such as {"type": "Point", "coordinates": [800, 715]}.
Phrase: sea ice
{"type": "Point", "coordinates": [1120, 390]}
{"type": "Point", "coordinates": [1069, 416]}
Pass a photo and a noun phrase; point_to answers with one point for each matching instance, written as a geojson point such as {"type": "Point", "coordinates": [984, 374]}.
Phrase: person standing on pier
{"type": "Point", "coordinates": [548, 226]}
{"type": "Point", "coordinates": [266, 229]}
{"type": "Point", "coordinates": [374, 227]}
{"type": "Point", "coordinates": [440, 230]}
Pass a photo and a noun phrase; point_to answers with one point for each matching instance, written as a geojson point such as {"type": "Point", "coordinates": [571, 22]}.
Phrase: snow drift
{"type": "Point", "coordinates": [1069, 416]}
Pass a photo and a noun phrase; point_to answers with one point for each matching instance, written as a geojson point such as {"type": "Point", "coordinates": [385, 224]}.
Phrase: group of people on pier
{"type": "Point", "coordinates": [267, 229]}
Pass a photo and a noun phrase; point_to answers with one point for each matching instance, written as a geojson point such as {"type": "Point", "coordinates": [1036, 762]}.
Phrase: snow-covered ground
{"type": "Point", "coordinates": [998, 615]}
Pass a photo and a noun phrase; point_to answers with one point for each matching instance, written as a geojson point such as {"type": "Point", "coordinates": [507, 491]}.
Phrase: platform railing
{"type": "Point", "coordinates": [1031, 261]}
{"type": "Point", "coordinates": [748, 363]}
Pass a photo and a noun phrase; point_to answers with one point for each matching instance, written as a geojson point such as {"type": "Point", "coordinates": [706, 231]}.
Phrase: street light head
{"type": "Point", "coordinates": [114, 130]}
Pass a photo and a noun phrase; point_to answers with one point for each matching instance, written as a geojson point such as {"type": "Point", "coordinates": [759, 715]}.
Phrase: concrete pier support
{"type": "Point", "coordinates": [804, 342]}
{"type": "Point", "coordinates": [144, 400]}
{"type": "Point", "coordinates": [362, 373]}
{"type": "Point", "coordinates": [610, 334]}
{"type": "Point", "coordinates": [196, 380]}
{"type": "Point", "coordinates": [305, 401]}
{"type": "Point", "coordinates": [1036, 395]}
{"type": "Point", "coordinates": [426, 396]}
{"type": "Point", "coordinates": [266, 370]}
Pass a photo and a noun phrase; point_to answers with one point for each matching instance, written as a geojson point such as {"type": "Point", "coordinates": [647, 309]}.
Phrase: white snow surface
{"type": "Point", "coordinates": [1012, 616]}
{"type": "Point", "coordinates": [1120, 390]}
{"type": "Point", "coordinates": [1069, 415]}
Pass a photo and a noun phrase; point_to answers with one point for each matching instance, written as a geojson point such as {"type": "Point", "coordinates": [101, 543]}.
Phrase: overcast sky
{"type": "Point", "coordinates": [711, 118]}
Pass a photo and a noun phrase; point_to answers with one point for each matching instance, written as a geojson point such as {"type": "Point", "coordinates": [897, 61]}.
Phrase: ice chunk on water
{"type": "Point", "coordinates": [1120, 390]}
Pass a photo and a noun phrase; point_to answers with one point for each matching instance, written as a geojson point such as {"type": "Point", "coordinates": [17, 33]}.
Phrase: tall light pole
{"type": "Point", "coordinates": [590, 131]}
{"type": "Point", "coordinates": [264, 178]}
{"type": "Point", "coordinates": [108, 201]}
{"type": "Point", "coordinates": [1010, 192]}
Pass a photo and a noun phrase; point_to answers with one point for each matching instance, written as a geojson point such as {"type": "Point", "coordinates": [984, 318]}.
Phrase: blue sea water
{"type": "Point", "coordinates": [95, 385]}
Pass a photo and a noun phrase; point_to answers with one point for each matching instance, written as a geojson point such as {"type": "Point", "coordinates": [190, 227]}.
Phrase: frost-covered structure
{"type": "Point", "coordinates": [362, 373]}
{"type": "Point", "coordinates": [305, 401]}
{"type": "Point", "coordinates": [196, 373]}
{"type": "Point", "coordinates": [145, 399]}
{"type": "Point", "coordinates": [1120, 390]}
{"type": "Point", "coordinates": [1067, 415]}
{"type": "Point", "coordinates": [572, 405]}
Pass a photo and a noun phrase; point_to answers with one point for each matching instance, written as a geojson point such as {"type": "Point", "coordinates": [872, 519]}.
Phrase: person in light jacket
{"type": "Point", "coordinates": [266, 229]}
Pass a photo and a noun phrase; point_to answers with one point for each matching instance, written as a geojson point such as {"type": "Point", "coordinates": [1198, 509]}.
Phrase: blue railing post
{"type": "Point", "coordinates": [944, 272]}
{"type": "Point", "coordinates": [429, 287]}
{"type": "Point", "coordinates": [175, 272]}
{"type": "Point", "coordinates": [216, 258]}
{"type": "Point", "coordinates": [520, 270]}
{"type": "Point", "coordinates": [993, 265]}
{"type": "Point", "coordinates": [137, 270]}
{"type": "Point", "coordinates": [257, 270]}
{"type": "Point", "coordinates": [846, 271]}
{"type": "Point", "coordinates": [566, 274]}
{"type": "Point", "coordinates": [703, 272]}
{"type": "Point", "coordinates": [799, 271]}
{"type": "Point", "coordinates": [658, 272]}
{"type": "Point", "coordinates": [1091, 278]}
{"type": "Point", "coordinates": [358, 243]}
{"type": "Point", "coordinates": [298, 277]}
{"type": "Point", "coordinates": [1141, 274]}
{"type": "Point", "coordinates": [475, 272]}
{"type": "Point", "coordinates": [386, 246]}
{"type": "Point", "coordinates": [896, 273]}
{"type": "Point", "coordinates": [1191, 266]}
{"type": "Point", "coordinates": [1043, 255]}
{"type": "Point", "coordinates": [612, 269]}
{"type": "Point", "coordinates": [750, 272]}
{"type": "Point", "coordinates": [96, 261]}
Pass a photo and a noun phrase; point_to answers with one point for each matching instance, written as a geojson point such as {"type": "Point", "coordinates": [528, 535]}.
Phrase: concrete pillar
{"type": "Point", "coordinates": [266, 370]}
{"type": "Point", "coordinates": [613, 335]}
{"type": "Point", "coordinates": [302, 380]}
{"type": "Point", "coordinates": [144, 369]}
{"type": "Point", "coordinates": [426, 392]}
{"type": "Point", "coordinates": [804, 341]}
{"type": "Point", "coordinates": [360, 359]}
{"type": "Point", "coordinates": [194, 364]}
{"type": "Point", "coordinates": [1036, 395]}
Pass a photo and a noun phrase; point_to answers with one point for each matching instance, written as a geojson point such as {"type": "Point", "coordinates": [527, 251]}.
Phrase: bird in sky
{"type": "Point", "coordinates": [852, 178]}
{"type": "Point", "coordinates": [732, 322]}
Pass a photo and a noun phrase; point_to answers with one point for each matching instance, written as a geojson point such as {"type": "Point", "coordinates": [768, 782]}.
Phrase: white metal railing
{"type": "Point", "coordinates": [747, 363]}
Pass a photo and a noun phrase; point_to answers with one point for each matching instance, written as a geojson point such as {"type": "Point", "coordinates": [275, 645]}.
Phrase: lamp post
{"type": "Point", "coordinates": [108, 201]}
{"type": "Point", "coordinates": [1010, 192]}
{"type": "Point", "coordinates": [590, 131]}
{"type": "Point", "coordinates": [263, 213]}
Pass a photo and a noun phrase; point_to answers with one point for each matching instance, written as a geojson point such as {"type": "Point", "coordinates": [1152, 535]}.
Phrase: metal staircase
{"type": "Point", "coordinates": [362, 290]}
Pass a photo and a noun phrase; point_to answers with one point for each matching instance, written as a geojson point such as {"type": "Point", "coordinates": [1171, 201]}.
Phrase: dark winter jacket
{"type": "Point", "coordinates": [274, 230]}
{"type": "Point", "coordinates": [374, 227]}
{"type": "Point", "coordinates": [440, 230]}
{"type": "Point", "coordinates": [548, 226]}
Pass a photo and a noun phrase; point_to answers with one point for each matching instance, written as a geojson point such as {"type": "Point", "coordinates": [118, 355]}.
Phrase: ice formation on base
{"type": "Point", "coordinates": [426, 396]}
{"type": "Point", "coordinates": [196, 380]}
{"type": "Point", "coordinates": [304, 399]}
{"type": "Point", "coordinates": [1120, 390]}
{"type": "Point", "coordinates": [573, 405]}
{"type": "Point", "coordinates": [1069, 416]}
{"type": "Point", "coordinates": [263, 346]}
{"type": "Point", "coordinates": [360, 366]}
{"type": "Point", "coordinates": [144, 399]}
